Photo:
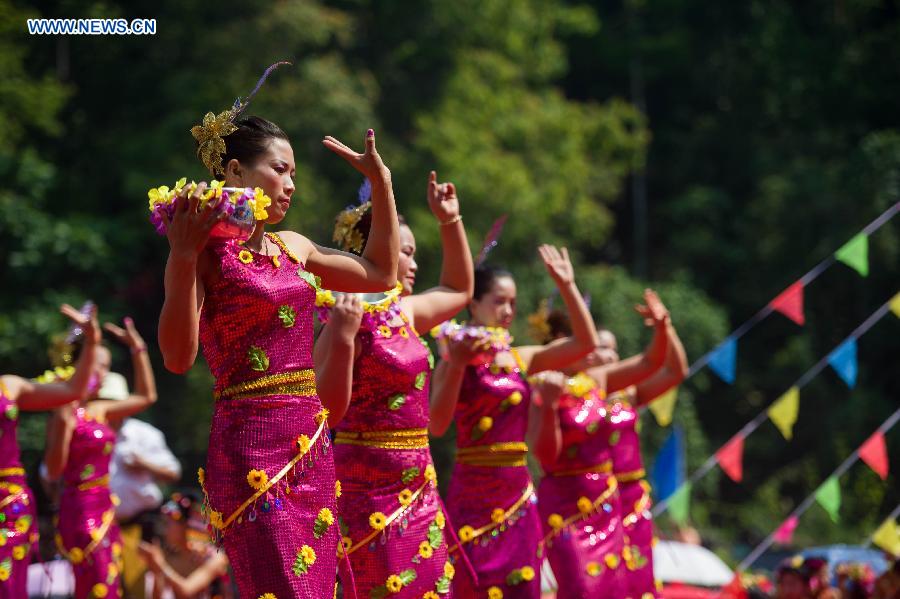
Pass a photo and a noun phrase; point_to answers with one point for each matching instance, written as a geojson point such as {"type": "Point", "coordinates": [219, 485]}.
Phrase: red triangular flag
{"type": "Point", "coordinates": [874, 453]}
{"type": "Point", "coordinates": [790, 303]}
{"type": "Point", "coordinates": [731, 458]}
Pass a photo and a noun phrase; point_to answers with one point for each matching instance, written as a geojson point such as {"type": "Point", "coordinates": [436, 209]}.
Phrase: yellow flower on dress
{"type": "Point", "coordinates": [97, 534]}
{"type": "Point", "coordinates": [326, 516]}
{"type": "Point", "coordinates": [303, 444]}
{"type": "Point", "coordinates": [2, 540]}
{"type": "Point", "coordinates": [593, 569]}
{"type": "Point", "coordinates": [405, 497]}
{"type": "Point", "coordinates": [485, 423]}
{"type": "Point", "coordinates": [347, 543]}
{"type": "Point", "coordinates": [99, 590]}
{"type": "Point", "coordinates": [527, 573]}
{"type": "Point", "coordinates": [495, 593]}
{"type": "Point", "coordinates": [245, 256]}
{"type": "Point", "coordinates": [258, 479]}
{"type": "Point", "coordinates": [612, 560]}
{"type": "Point", "coordinates": [555, 521]}
{"type": "Point", "coordinates": [322, 416]}
{"type": "Point", "coordinates": [425, 549]}
{"type": "Point", "coordinates": [308, 554]}
{"type": "Point", "coordinates": [440, 520]}
{"type": "Point", "coordinates": [515, 398]}
{"type": "Point", "coordinates": [384, 330]}
{"type": "Point", "coordinates": [403, 332]}
{"type": "Point", "coordinates": [430, 595]}
{"type": "Point", "coordinates": [268, 596]}
{"type": "Point", "coordinates": [449, 570]}
{"type": "Point", "coordinates": [466, 534]}
{"type": "Point", "coordinates": [201, 476]}
{"type": "Point", "coordinates": [76, 556]}
{"type": "Point", "coordinates": [4, 573]}
{"type": "Point", "coordinates": [337, 488]}
{"type": "Point", "coordinates": [394, 584]}
{"type": "Point", "coordinates": [430, 474]}
{"type": "Point", "coordinates": [585, 505]}
{"type": "Point", "coordinates": [22, 525]}
{"type": "Point", "coordinates": [377, 521]}
{"type": "Point", "coordinates": [215, 519]}
{"type": "Point", "coordinates": [498, 515]}
{"type": "Point", "coordinates": [18, 552]}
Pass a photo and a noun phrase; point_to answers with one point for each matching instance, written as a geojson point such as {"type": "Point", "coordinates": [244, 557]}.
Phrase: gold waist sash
{"type": "Point", "coordinates": [409, 438]}
{"type": "Point", "coordinates": [601, 468]}
{"type": "Point", "coordinates": [4, 472]}
{"type": "Point", "coordinates": [630, 477]}
{"type": "Point", "coordinates": [294, 382]}
{"type": "Point", "coordinates": [497, 455]}
{"type": "Point", "coordinates": [97, 482]}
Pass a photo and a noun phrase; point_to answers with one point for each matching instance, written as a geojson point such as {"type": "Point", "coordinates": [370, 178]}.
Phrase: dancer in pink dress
{"type": "Point", "coordinates": [18, 516]}
{"type": "Point", "coordinates": [269, 479]}
{"type": "Point", "coordinates": [79, 449]}
{"type": "Point", "coordinates": [370, 355]}
{"type": "Point", "coordinates": [482, 385]}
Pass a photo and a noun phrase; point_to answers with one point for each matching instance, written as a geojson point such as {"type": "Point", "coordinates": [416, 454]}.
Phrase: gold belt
{"type": "Point", "coordinates": [408, 438]}
{"type": "Point", "coordinates": [97, 482]}
{"type": "Point", "coordinates": [630, 477]}
{"type": "Point", "coordinates": [496, 455]}
{"type": "Point", "coordinates": [295, 382]}
{"type": "Point", "coordinates": [601, 468]}
{"type": "Point", "coordinates": [4, 472]}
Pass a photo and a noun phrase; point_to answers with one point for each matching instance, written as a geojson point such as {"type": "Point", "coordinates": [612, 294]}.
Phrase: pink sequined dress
{"type": "Point", "coordinates": [392, 519]}
{"type": "Point", "coordinates": [88, 534]}
{"type": "Point", "coordinates": [269, 480]}
{"type": "Point", "coordinates": [634, 493]}
{"type": "Point", "coordinates": [18, 528]}
{"type": "Point", "coordinates": [491, 496]}
{"type": "Point", "coordinates": [579, 501]}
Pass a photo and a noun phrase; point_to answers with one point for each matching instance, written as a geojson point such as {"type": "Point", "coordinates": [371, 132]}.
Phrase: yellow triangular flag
{"type": "Point", "coordinates": [895, 305]}
{"type": "Point", "coordinates": [784, 412]}
{"type": "Point", "coordinates": [888, 537]}
{"type": "Point", "coordinates": [663, 406]}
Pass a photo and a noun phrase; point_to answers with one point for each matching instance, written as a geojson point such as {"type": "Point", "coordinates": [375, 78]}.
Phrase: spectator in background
{"type": "Point", "coordinates": [791, 580]}
{"type": "Point", "coordinates": [819, 577]}
{"type": "Point", "coordinates": [141, 461]}
{"type": "Point", "coordinates": [887, 586]}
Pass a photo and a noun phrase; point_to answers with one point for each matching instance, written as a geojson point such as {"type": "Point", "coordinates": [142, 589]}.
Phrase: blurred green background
{"type": "Point", "coordinates": [715, 151]}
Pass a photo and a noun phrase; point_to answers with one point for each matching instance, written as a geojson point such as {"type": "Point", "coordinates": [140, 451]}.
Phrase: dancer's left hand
{"type": "Point", "coordinates": [653, 310]}
{"type": "Point", "coordinates": [558, 264]}
{"type": "Point", "coordinates": [369, 163]}
{"type": "Point", "coordinates": [87, 322]}
{"type": "Point", "coordinates": [549, 386]}
{"type": "Point", "coordinates": [152, 554]}
{"type": "Point", "coordinates": [442, 199]}
{"type": "Point", "coordinates": [128, 336]}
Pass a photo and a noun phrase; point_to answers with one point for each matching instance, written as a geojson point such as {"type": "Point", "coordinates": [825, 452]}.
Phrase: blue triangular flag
{"type": "Point", "coordinates": [668, 469]}
{"type": "Point", "coordinates": [843, 360]}
{"type": "Point", "coordinates": [722, 360]}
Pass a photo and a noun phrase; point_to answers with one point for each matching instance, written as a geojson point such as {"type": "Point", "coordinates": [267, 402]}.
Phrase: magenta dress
{"type": "Point", "coordinates": [269, 480]}
{"type": "Point", "coordinates": [634, 493]}
{"type": "Point", "coordinates": [491, 497]}
{"type": "Point", "coordinates": [392, 520]}
{"type": "Point", "coordinates": [579, 500]}
{"type": "Point", "coordinates": [88, 534]}
{"type": "Point", "coordinates": [18, 524]}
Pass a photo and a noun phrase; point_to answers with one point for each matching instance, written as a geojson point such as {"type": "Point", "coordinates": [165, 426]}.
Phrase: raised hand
{"type": "Point", "coordinates": [189, 228]}
{"type": "Point", "coordinates": [369, 163]}
{"type": "Point", "coordinates": [557, 263]}
{"type": "Point", "coordinates": [346, 315]}
{"type": "Point", "coordinates": [128, 336]}
{"type": "Point", "coordinates": [442, 199]}
{"type": "Point", "coordinates": [652, 310]}
{"type": "Point", "coordinates": [86, 322]}
{"type": "Point", "coordinates": [550, 385]}
{"type": "Point", "coordinates": [465, 349]}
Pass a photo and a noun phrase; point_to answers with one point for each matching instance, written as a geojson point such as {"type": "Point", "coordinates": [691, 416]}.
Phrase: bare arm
{"type": "Point", "coordinates": [183, 587]}
{"type": "Point", "coordinates": [670, 375]}
{"type": "Point", "coordinates": [144, 383]}
{"type": "Point", "coordinates": [544, 434]}
{"type": "Point", "coordinates": [584, 338]}
{"type": "Point", "coordinates": [457, 273]}
{"type": "Point", "coordinates": [59, 435]}
{"type": "Point", "coordinates": [446, 384]}
{"type": "Point", "coordinates": [334, 354]}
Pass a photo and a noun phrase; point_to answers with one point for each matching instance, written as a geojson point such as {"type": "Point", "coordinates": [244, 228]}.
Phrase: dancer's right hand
{"type": "Point", "coordinates": [88, 323]}
{"type": "Point", "coordinates": [189, 229]}
{"type": "Point", "coordinates": [463, 351]}
{"type": "Point", "coordinates": [346, 315]}
{"type": "Point", "coordinates": [653, 310]}
{"type": "Point", "coordinates": [550, 385]}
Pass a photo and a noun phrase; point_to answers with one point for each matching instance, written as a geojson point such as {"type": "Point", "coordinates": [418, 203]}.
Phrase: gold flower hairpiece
{"type": "Point", "coordinates": [346, 235]}
{"type": "Point", "coordinates": [538, 322]}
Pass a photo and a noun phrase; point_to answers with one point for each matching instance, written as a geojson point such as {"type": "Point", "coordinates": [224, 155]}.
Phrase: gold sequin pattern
{"type": "Point", "coordinates": [413, 438]}
{"type": "Point", "coordinates": [297, 382]}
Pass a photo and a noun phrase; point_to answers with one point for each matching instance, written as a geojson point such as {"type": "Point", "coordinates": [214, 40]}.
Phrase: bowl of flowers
{"type": "Point", "coordinates": [244, 206]}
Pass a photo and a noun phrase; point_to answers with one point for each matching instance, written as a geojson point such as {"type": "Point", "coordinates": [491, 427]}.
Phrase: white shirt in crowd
{"type": "Point", "coordinates": [136, 489]}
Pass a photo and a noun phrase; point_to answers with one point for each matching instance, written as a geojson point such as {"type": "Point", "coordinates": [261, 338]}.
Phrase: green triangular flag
{"type": "Point", "coordinates": [829, 497]}
{"type": "Point", "coordinates": [680, 504]}
{"type": "Point", "coordinates": [855, 254]}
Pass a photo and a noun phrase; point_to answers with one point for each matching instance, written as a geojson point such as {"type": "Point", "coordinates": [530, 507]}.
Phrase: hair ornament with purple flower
{"type": "Point", "coordinates": [346, 234]}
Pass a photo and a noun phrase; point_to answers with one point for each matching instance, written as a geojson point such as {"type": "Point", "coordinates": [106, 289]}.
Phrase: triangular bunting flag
{"type": "Point", "coordinates": [855, 254]}
{"type": "Point", "coordinates": [829, 497]}
{"type": "Point", "coordinates": [843, 360]}
{"type": "Point", "coordinates": [663, 406]}
{"type": "Point", "coordinates": [887, 537]}
{"type": "Point", "coordinates": [783, 412]}
{"type": "Point", "coordinates": [874, 453]}
{"type": "Point", "coordinates": [731, 457]}
{"type": "Point", "coordinates": [790, 303]}
{"type": "Point", "coordinates": [722, 360]}
{"type": "Point", "coordinates": [668, 469]}
{"type": "Point", "coordinates": [895, 305]}
{"type": "Point", "coordinates": [680, 504]}
{"type": "Point", "coordinates": [785, 532]}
